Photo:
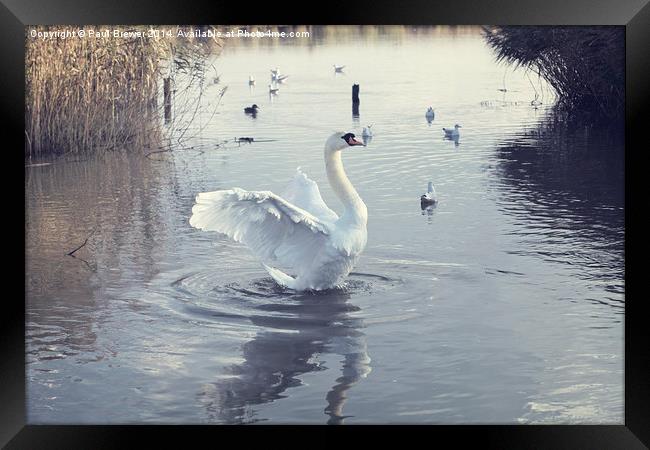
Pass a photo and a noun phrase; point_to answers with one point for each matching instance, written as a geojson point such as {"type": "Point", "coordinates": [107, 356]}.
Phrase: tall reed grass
{"type": "Point", "coordinates": [87, 95]}
{"type": "Point", "coordinates": [584, 65]}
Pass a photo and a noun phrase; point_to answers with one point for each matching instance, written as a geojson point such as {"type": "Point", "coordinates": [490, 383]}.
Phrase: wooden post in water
{"type": "Point", "coordinates": [168, 99]}
{"type": "Point", "coordinates": [355, 100]}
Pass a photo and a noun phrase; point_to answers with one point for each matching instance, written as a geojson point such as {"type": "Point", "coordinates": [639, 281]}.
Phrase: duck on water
{"type": "Point", "coordinates": [251, 109]}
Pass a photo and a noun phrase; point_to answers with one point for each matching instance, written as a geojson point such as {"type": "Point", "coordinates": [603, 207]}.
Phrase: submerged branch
{"type": "Point", "coordinates": [82, 245]}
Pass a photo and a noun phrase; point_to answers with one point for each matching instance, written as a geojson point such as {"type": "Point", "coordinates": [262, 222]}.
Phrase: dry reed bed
{"type": "Point", "coordinates": [584, 65]}
{"type": "Point", "coordinates": [88, 95]}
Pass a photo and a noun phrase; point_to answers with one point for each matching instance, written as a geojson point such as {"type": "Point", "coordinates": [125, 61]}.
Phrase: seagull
{"type": "Point", "coordinates": [273, 91]}
{"type": "Point", "coordinates": [430, 197]}
{"type": "Point", "coordinates": [275, 74]}
{"type": "Point", "coordinates": [366, 135]}
{"type": "Point", "coordinates": [251, 80]}
{"type": "Point", "coordinates": [338, 68]}
{"type": "Point", "coordinates": [450, 133]}
{"type": "Point", "coordinates": [429, 114]}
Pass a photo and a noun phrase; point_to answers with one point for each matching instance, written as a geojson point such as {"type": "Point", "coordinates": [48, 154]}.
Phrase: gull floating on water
{"type": "Point", "coordinates": [429, 114]}
{"type": "Point", "coordinates": [338, 68]}
{"type": "Point", "coordinates": [452, 132]}
{"type": "Point", "coordinates": [276, 77]}
{"type": "Point", "coordinates": [430, 197]}
{"type": "Point", "coordinates": [273, 91]}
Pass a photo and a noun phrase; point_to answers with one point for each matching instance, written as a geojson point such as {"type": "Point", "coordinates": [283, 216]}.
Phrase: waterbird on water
{"type": "Point", "coordinates": [429, 114]}
{"type": "Point", "coordinates": [297, 229]}
{"type": "Point", "coordinates": [251, 80]}
{"type": "Point", "coordinates": [449, 132]}
{"type": "Point", "coordinates": [430, 197]}
{"type": "Point", "coordinates": [338, 68]}
{"type": "Point", "coordinates": [366, 135]}
{"type": "Point", "coordinates": [272, 90]}
{"type": "Point", "coordinates": [274, 74]}
{"type": "Point", "coordinates": [251, 109]}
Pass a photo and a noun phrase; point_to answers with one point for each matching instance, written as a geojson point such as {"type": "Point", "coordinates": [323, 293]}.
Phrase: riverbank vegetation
{"type": "Point", "coordinates": [584, 65]}
{"type": "Point", "coordinates": [94, 94]}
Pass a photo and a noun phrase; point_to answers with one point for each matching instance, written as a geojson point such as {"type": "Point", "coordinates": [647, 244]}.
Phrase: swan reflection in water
{"type": "Point", "coordinates": [293, 336]}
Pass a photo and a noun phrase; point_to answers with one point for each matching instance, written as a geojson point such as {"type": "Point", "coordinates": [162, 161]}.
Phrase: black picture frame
{"type": "Point", "coordinates": [634, 15]}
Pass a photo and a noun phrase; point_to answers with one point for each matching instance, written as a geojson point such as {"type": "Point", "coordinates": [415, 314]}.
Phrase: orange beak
{"type": "Point", "coordinates": [352, 141]}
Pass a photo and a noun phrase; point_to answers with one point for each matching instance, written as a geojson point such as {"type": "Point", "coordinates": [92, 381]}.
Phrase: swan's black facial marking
{"type": "Point", "coordinates": [350, 140]}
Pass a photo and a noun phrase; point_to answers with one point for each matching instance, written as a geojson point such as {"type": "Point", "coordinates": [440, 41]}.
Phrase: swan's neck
{"type": "Point", "coordinates": [355, 209]}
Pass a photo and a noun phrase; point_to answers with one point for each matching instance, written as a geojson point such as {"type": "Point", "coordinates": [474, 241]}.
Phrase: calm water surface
{"type": "Point", "coordinates": [503, 304]}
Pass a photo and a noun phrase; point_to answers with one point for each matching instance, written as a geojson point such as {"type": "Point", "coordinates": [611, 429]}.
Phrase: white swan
{"type": "Point", "coordinates": [296, 230]}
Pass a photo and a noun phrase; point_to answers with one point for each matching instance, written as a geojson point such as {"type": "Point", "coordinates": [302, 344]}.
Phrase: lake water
{"type": "Point", "coordinates": [503, 304]}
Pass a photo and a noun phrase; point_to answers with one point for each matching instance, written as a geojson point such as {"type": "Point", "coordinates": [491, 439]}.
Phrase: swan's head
{"type": "Point", "coordinates": [340, 140]}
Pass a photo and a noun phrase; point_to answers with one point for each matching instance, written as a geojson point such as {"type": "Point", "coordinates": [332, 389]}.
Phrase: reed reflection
{"type": "Point", "coordinates": [565, 184]}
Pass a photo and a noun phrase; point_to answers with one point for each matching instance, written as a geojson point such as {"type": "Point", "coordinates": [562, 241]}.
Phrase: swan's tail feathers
{"type": "Point", "coordinates": [280, 277]}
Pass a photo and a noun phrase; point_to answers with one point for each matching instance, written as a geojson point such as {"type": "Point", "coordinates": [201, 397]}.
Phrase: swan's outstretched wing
{"type": "Point", "coordinates": [303, 193]}
{"type": "Point", "coordinates": [274, 229]}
